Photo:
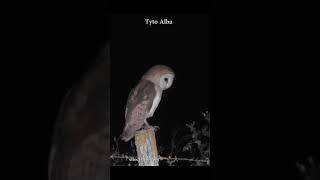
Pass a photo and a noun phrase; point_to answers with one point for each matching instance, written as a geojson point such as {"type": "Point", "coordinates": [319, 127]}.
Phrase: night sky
{"type": "Point", "coordinates": [183, 46]}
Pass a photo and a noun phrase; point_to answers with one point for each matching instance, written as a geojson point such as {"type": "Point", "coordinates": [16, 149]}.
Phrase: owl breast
{"type": "Point", "coordinates": [155, 102]}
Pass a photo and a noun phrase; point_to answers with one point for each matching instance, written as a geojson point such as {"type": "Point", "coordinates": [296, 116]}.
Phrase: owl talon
{"type": "Point", "coordinates": [156, 128]}
{"type": "Point", "coordinates": [148, 126]}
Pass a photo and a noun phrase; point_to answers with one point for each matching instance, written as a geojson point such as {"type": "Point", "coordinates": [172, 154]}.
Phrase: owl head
{"type": "Point", "coordinates": [161, 75]}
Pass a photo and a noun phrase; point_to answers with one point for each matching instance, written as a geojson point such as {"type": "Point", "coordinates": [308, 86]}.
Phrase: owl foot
{"type": "Point", "coordinates": [156, 128]}
{"type": "Point", "coordinates": [148, 126]}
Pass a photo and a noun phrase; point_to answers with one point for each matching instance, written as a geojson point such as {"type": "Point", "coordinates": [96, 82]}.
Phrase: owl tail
{"type": "Point", "coordinates": [127, 134]}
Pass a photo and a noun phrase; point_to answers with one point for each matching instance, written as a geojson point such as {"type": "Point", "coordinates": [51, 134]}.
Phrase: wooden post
{"type": "Point", "coordinates": [147, 147]}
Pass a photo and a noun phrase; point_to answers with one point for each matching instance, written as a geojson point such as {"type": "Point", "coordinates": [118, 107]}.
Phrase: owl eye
{"type": "Point", "coordinates": [166, 80]}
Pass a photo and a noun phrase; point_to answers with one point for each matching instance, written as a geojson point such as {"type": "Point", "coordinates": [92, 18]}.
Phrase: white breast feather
{"type": "Point", "coordinates": [155, 102]}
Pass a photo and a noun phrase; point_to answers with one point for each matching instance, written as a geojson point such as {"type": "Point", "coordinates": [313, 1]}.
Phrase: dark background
{"type": "Point", "coordinates": [267, 93]}
{"type": "Point", "coordinates": [52, 51]}
{"type": "Point", "coordinates": [183, 46]}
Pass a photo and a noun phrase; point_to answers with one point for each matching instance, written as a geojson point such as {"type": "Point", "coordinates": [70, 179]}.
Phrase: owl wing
{"type": "Point", "coordinates": [138, 106]}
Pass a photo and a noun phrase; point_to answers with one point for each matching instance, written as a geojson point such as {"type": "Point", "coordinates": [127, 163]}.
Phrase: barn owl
{"type": "Point", "coordinates": [144, 99]}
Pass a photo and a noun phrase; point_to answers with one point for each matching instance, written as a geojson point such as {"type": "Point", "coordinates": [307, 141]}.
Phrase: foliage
{"type": "Point", "coordinates": [195, 145]}
{"type": "Point", "coordinates": [310, 170]}
{"type": "Point", "coordinates": [192, 148]}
